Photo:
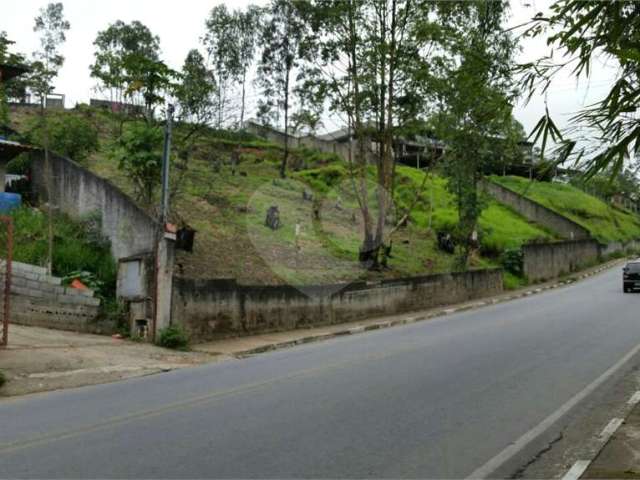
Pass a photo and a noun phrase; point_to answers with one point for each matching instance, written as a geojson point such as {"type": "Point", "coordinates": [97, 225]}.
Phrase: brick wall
{"type": "Point", "coordinates": [38, 299]}
{"type": "Point", "coordinates": [209, 309]}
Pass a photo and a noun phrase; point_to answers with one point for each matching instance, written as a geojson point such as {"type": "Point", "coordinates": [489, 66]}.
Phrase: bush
{"type": "Point", "coordinates": [173, 337]}
{"type": "Point", "coordinates": [512, 261]}
{"type": "Point", "coordinates": [139, 155]}
{"type": "Point", "coordinates": [69, 135]}
{"type": "Point", "coordinates": [3, 379]}
{"type": "Point", "coordinates": [76, 250]}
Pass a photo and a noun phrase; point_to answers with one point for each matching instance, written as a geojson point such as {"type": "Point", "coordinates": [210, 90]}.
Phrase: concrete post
{"type": "Point", "coordinates": [164, 281]}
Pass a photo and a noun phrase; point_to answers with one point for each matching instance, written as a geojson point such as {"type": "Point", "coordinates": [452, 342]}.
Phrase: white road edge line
{"type": "Point", "coordinates": [635, 398]}
{"type": "Point", "coordinates": [577, 470]}
{"type": "Point", "coordinates": [514, 448]}
{"type": "Point", "coordinates": [610, 429]}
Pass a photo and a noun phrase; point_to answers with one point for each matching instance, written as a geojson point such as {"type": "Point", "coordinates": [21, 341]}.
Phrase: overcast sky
{"type": "Point", "coordinates": [181, 24]}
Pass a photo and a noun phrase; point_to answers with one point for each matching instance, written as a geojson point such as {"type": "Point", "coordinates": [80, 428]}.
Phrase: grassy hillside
{"type": "Point", "coordinates": [228, 212]}
{"type": "Point", "coordinates": [605, 222]}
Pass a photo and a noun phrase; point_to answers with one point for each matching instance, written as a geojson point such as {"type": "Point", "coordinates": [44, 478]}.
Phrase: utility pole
{"type": "Point", "coordinates": [164, 207]}
{"type": "Point", "coordinates": [160, 248]}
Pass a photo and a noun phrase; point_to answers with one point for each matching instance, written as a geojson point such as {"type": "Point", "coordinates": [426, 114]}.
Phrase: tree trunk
{"type": "Point", "coordinates": [47, 186]}
{"type": "Point", "coordinates": [244, 74]}
{"type": "Point", "coordinates": [283, 166]}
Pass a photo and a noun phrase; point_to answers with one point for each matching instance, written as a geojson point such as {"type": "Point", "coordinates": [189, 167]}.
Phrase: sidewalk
{"type": "Point", "coordinates": [620, 458]}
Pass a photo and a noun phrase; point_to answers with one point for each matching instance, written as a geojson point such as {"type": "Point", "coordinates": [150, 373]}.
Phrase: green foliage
{"type": "Point", "coordinates": [19, 165]}
{"type": "Point", "coordinates": [604, 221]}
{"type": "Point", "coordinates": [16, 88]}
{"type": "Point", "coordinates": [512, 282]}
{"type": "Point", "coordinates": [87, 278]}
{"type": "Point", "coordinates": [587, 32]}
{"type": "Point", "coordinates": [173, 337]}
{"type": "Point", "coordinates": [51, 26]}
{"type": "Point", "coordinates": [195, 89]}
{"type": "Point", "coordinates": [74, 250]}
{"type": "Point", "coordinates": [72, 136]}
{"type": "Point", "coordinates": [324, 178]}
{"type": "Point", "coordinates": [138, 153]}
{"type": "Point", "coordinates": [512, 261]}
{"type": "Point", "coordinates": [114, 47]}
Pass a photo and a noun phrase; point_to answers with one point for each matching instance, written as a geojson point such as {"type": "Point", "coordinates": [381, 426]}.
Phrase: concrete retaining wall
{"type": "Point", "coordinates": [78, 192]}
{"type": "Point", "coordinates": [40, 300]}
{"type": "Point", "coordinates": [208, 309]}
{"type": "Point", "coordinates": [537, 213]}
{"type": "Point", "coordinates": [543, 261]}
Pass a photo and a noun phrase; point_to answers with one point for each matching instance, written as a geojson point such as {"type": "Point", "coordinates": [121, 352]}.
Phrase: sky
{"type": "Point", "coordinates": [180, 25]}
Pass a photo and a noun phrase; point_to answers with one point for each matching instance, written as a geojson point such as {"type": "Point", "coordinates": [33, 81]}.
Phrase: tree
{"type": "Point", "coordinates": [478, 105]}
{"type": "Point", "coordinates": [195, 109]}
{"type": "Point", "coordinates": [68, 134]}
{"type": "Point", "coordinates": [247, 26]}
{"type": "Point", "coordinates": [282, 38]}
{"type": "Point", "coordinates": [584, 32]}
{"type": "Point", "coordinates": [115, 47]}
{"type": "Point", "coordinates": [16, 88]}
{"type": "Point", "coordinates": [195, 89]}
{"type": "Point", "coordinates": [151, 79]}
{"type": "Point", "coordinates": [138, 152]}
{"type": "Point", "coordinates": [51, 25]}
{"type": "Point", "coordinates": [220, 42]}
{"type": "Point", "coordinates": [374, 60]}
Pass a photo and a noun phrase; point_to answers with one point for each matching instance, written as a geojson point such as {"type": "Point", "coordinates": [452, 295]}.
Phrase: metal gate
{"type": "Point", "coordinates": [6, 255]}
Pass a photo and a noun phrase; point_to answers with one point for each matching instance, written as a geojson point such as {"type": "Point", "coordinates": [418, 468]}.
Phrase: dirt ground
{"type": "Point", "coordinates": [38, 359]}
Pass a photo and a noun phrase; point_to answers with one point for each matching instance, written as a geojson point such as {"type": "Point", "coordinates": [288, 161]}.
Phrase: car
{"type": "Point", "coordinates": [631, 276]}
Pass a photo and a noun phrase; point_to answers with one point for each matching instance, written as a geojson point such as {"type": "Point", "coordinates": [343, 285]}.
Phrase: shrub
{"type": "Point", "coordinates": [512, 261]}
{"type": "Point", "coordinates": [173, 337]}
{"type": "Point", "coordinates": [69, 135]}
{"type": "Point", "coordinates": [75, 249]}
{"type": "Point", "coordinates": [139, 154]}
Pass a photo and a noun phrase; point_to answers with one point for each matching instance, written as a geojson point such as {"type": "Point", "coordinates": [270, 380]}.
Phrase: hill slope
{"type": "Point", "coordinates": [607, 223]}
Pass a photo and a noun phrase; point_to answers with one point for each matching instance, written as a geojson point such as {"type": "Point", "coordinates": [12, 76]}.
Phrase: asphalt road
{"type": "Point", "coordinates": [433, 399]}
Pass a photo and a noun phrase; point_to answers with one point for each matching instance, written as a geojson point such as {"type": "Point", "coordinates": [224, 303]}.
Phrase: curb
{"type": "Point", "coordinates": [427, 316]}
{"type": "Point", "coordinates": [603, 438]}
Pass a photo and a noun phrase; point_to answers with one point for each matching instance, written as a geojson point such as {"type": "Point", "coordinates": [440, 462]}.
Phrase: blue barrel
{"type": "Point", "coordinates": [9, 201]}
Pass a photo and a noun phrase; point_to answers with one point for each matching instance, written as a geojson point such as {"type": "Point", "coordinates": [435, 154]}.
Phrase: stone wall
{"type": "Point", "coordinates": [614, 248]}
{"type": "Point", "coordinates": [78, 192]}
{"type": "Point", "coordinates": [544, 261]}
{"type": "Point", "coordinates": [537, 213]}
{"type": "Point", "coordinates": [40, 300]}
{"type": "Point", "coordinates": [209, 309]}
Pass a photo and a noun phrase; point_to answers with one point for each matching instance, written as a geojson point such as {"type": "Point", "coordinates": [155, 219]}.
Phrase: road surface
{"type": "Point", "coordinates": [439, 398]}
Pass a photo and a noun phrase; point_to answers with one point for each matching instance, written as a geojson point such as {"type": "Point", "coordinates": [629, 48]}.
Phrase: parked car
{"type": "Point", "coordinates": [631, 276]}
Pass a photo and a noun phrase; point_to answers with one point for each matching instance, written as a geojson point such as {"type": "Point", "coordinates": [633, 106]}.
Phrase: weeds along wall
{"type": "Point", "coordinates": [209, 309]}
{"type": "Point", "coordinates": [537, 213]}
{"type": "Point", "coordinates": [78, 192]}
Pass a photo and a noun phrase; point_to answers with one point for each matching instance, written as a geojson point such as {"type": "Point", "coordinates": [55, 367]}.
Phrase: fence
{"type": "Point", "coordinates": [6, 253]}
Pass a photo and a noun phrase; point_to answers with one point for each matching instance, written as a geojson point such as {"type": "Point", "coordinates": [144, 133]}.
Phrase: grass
{"type": "Point", "coordinates": [605, 222]}
{"type": "Point", "coordinates": [228, 212]}
{"type": "Point", "coordinates": [77, 247]}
